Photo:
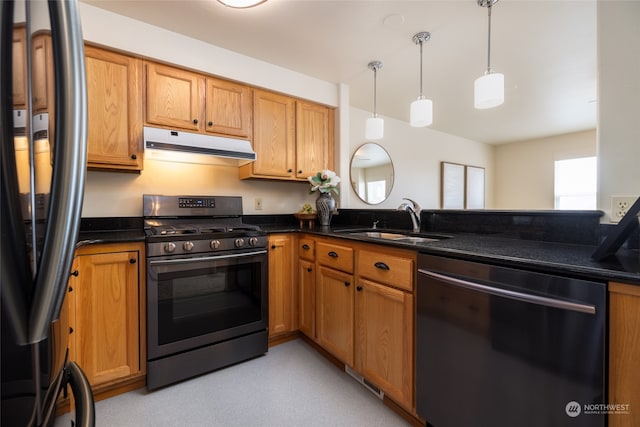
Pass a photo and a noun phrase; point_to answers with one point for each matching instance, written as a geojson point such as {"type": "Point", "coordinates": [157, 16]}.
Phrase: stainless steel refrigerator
{"type": "Point", "coordinates": [43, 149]}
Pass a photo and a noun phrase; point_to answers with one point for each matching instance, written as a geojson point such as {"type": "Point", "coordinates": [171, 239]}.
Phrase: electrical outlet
{"type": "Point", "coordinates": [620, 205]}
{"type": "Point", "coordinates": [258, 203]}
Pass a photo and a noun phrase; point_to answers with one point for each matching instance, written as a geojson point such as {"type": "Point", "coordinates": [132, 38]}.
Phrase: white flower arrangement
{"type": "Point", "coordinates": [324, 181]}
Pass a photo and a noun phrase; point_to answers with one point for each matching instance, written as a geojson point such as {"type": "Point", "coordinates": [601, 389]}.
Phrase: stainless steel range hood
{"type": "Point", "coordinates": [173, 140]}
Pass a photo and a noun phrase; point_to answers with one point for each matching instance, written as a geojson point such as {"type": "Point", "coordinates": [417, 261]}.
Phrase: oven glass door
{"type": "Point", "coordinates": [200, 301]}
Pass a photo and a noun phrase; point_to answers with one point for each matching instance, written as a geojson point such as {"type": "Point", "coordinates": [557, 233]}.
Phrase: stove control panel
{"type": "Point", "coordinates": [196, 202]}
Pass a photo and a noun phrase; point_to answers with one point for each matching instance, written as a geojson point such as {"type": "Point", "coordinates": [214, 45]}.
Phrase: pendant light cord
{"type": "Point", "coordinates": [421, 96]}
{"type": "Point", "coordinates": [489, 41]}
{"type": "Point", "coordinates": [375, 85]}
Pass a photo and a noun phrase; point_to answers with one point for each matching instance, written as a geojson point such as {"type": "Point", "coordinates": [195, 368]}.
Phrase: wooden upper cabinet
{"type": "Point", "coordinates": [273, 137]}
{"type": "Point", "coordinates": [19, 68]}
{"type": "Point", "coordinates": [175, 97]}
{"type": "Point", "coordinates": [114, 100]}
{"type": "Point", "coordinates": [228, 108]}
{"type": "Point", "coordinates": [314, 138]}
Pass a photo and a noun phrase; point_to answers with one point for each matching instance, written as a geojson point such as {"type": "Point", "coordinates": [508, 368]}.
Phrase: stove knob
{"type": "Point", "coordinates": [187, 246]}
{"type": "Point", "coordinates": [169, 247]}
{"type": "Point", "coordinates": [214, 244]}
{"type": "Point", "coordinates": [239, 243]}
{"type": "Point", "coordinates": [253, 241]}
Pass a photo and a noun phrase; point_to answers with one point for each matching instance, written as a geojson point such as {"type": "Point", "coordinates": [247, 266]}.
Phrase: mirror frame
{"type": "Point", "coordinates": [353, 183]}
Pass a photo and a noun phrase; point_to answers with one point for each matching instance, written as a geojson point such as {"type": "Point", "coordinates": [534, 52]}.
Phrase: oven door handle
{"type": "Point", "coordinates": [504, 293]}
{"type": "Point", "coordinates": [206, 258]}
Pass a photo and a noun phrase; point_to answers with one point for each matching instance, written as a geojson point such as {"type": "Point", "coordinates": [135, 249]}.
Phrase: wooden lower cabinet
{"type": "Point", "coordinates": [282, 294]}
{"type": "Point", "coordinates": [307, 297]}
{"type": "Point", "coordinates": [384, 319]}
{"type": "Point", "coordinates": [624, 353]}
{"type": "Point", "coordinates": [106, 302]}
{"type": "Point", "coordinates": [334, 313]}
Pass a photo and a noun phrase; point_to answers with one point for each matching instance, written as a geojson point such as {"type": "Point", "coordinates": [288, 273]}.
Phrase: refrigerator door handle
{"type": "Point", "coordinates": [70, 154]}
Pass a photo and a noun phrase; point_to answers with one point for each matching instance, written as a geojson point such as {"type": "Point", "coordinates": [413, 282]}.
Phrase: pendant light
{"type": "Point", "coordinates": [241, 4]}
{"type": "Point", "coordinates": [422, 108]}
{"type": "Point", "coordinates": [488, 89]}
{"type": "Point", "coordinates": [374, 128]}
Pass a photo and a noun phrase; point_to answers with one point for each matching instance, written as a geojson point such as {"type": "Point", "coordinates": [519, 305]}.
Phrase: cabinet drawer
{"type": "Point", "coordinates": [307, 249]}
{"type": "Point", "coordinates": [384, 268]}
{"type": "Point", "coordinates": [335, 256]}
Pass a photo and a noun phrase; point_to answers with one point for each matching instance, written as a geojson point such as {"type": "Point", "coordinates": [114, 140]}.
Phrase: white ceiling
{"type": "Point", "coordinates": [545, 48]}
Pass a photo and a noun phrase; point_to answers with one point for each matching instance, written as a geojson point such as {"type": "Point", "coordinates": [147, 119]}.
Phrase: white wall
{"type": "Point", "coordinates": [524, 170]}
{"type": "Point", "coordinates": [416, 154]}
{"type": "Point", "coordinates": [618, 101]}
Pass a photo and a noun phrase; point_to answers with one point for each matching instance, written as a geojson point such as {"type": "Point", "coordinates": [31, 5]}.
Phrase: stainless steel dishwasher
{"type": "Point", "coordinates": [500, 346]}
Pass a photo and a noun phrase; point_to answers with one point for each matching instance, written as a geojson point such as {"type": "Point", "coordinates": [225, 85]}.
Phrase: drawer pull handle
{"type": "Point", "coordinates": [75, 273]}
{"type": "Point", "coordinates": [332, 254]}
{"type": "Point", "coordinates": [381, 265]}
{"type": "Point", "coordinates": [306, 247]}
{"type": "Point", "coordinates": [347, 284]}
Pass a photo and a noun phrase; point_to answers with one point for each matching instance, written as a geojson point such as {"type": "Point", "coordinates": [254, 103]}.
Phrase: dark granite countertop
{"type": "Point", "coordinates": [548, 257]}
{"type": "Point", "coordinates": [573, 259]}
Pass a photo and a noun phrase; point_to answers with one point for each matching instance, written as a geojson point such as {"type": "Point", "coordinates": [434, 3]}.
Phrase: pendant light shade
{"type": "Point", "coordinates": [421, 113]}
{"type": "Point", "coordinates": [374, 126]}
{"type": "Point", "coordinates": [488, 89]}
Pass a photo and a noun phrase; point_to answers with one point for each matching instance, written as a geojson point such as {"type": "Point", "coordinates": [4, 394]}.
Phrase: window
{"type": "Point", "coordinates": [576, 183]}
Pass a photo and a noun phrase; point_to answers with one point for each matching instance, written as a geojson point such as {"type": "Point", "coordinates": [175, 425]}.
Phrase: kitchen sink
{"type": "Point", "coordinates": [397, 236]}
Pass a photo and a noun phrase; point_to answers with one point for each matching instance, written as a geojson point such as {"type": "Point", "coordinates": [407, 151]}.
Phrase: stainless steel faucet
{"type": "Point", "coordinates": [414, 212]}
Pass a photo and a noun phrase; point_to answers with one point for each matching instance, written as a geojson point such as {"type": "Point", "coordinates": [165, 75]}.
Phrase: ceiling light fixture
{"type": "Point", "coordinates": [422, 108]}
{"type": "Point", "coordinates": [489, 89]}
{"type": "Point", "coordinates": [374, 128]}
{"type": "Point", "coordinates": [241, 4]}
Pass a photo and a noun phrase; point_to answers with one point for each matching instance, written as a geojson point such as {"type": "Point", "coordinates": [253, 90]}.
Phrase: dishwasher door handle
{"type": "Point", "coordinates": [519, 296]}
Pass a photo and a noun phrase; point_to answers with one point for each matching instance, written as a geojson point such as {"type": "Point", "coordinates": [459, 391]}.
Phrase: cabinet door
{"type": "Point", "coordinates": [282, 297]}
{"type": "Point", "coordinates": [307, 293]}
{"type": "Point", "coordinates": [106, 322]}
{"type": "Point", "coordinates": [175, 97]}
{"type": "Point", "coordinates": [385, 339]}
{"type": "Point", "coordinates": [42, 70]}
{"type": "Point", "coordinates": [624, 352]}
{"type": "Point", "coordinates": [19, 65]}
{"type": "Point", "coordinates": [114, 101]}
{"type": "Point", "coordinates": [334, 313]}
{"type": "Point", "coordinates": [228, 108]}
{"type": "Point", "coordinates": [314, 139]}
{"type": "Point", "coordinates": [273, 137]}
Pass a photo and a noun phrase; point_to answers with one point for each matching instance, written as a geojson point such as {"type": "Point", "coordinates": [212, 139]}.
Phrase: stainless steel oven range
{"type": "Point", "coordinates": [207, 301]}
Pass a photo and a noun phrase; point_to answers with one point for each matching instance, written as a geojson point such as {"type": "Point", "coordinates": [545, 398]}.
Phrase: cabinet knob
{"type": "Point", "coordinates": [306, 247]}
{"type": "Point", "coordinates": [273, 246]}
{"type": "Point", "coordinates": [210, 124]}
{"type": "Point", "coordinates": [289, 170]}
{"type": "Point", "coordinates": [381, 265]}
{"type": "Point", "coordinates": [309, 269]}
{"type": "Point", "coordinates": [133, 261]}
{"type": "Point", "coordinates": [347, 284]}
{"type": "Point", "coordinates": [70, 330]}
{"type": "Point", "coordinates": [75, 273]}
{"type": "Point", "coordinates": [70, 289]}
{"type": "Point", "coordinates": [332, 254]}
{"type": "Point", "coordinates": [358, 288]}
{"type": "Point", "coordinates": [134, 157]}
{"type": "Point", "coordinates": [195, 121]}
{"type": "Point", "coordinates": [300, 172]}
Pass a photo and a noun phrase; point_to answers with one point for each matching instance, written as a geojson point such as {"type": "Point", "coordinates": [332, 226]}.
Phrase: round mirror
{"type": "Point", "coordinates": [371, 173]}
